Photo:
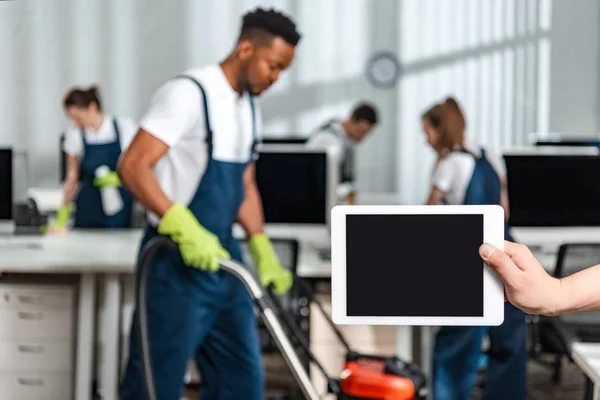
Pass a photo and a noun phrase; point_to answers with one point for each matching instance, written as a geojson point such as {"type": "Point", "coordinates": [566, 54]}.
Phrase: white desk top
{"type": "Point", "coordinates": [103, 252]}
{"type": "Point", "coordinates": [116, 251]}
{"type": "Point", "coordinates": [587, 357]}
{"type": "Point", "coordinates": [555, 236]}
{"type": "Point", "coordinates": [74, 252]}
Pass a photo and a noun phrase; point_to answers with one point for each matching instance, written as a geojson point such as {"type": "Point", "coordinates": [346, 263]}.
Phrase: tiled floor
{"type": "Point", "coordinates": [539, 384]}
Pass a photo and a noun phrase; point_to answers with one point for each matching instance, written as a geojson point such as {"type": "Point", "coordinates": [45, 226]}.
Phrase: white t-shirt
{"type": "Point", "coordinates": [176, 117]}
{"type": "Point", "coordinates": [453, 174]}
{"type": "Point", "coordinates": [73, 144]}
{"type": "Point", "coordinates": [326, 139]}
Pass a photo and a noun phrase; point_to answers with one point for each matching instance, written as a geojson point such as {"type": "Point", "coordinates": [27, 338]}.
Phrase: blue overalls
{"type": "Point", "coordinates": [89, 212]}
{"type": "Point", "coordinates": [200, 314]}
{"type": "Point", "coordinates": [457, 351]}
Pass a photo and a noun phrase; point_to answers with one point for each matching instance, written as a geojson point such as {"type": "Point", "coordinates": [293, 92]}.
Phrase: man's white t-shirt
{"type": "Point", "coordinates": [73, 144]}
{"type": "Point", "coordinates": [453, 174]}
{"type": "Point", "coordinates": [335, 142]}
{"type": "Point", "coordinates": [176, 117]}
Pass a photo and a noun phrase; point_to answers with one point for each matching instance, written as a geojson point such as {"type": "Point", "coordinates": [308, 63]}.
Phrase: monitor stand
{"type": "Point", "coordinates": [7, 228]}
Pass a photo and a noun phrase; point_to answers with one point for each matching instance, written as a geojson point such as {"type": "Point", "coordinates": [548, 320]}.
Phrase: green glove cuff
{"type": "Point", "coordinates": [111, 179]}
{"type": "Point", "coordinates": [198, 246]}
{"type": "Point", "coordinates": [262, 250]}
{"type": "Point", "coordinates": [62, 216]}
{"type": "Point", "coordinates": [177, 217]}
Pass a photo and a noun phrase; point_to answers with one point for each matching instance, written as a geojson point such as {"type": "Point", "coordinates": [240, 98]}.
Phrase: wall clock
{"type": "Point", "coordinates": [383, 69]}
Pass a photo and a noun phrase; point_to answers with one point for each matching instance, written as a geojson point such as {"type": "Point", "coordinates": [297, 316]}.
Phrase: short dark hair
{"type": "Point", "coordinates": [365, 112]}
{"type": "Point", "coordinates": [270, 22]}
{"type": "Point", "coordinates": [81, 98]}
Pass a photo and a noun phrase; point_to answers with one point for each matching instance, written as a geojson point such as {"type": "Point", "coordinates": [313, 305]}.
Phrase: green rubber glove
{"type": "Point", "coordinates": [109, 180]}
{"type": "Point", "coordinates": [270, 270]}
{"type": "Point", "coordinates": [62, 218]}
{"type": "Point", "coordinates": [199, 248]}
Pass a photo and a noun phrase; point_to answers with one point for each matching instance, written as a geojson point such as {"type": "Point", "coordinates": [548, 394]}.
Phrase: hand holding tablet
{"type": "Point", "coordinates": [527, 284]}
{"type": "Point", "coordinates": [415, 265]}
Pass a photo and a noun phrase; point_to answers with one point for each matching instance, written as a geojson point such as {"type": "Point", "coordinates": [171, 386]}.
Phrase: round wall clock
{"type": "Point", "coordinates": [383, 70]}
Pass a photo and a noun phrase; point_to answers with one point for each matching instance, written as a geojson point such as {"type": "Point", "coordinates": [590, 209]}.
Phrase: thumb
{"type": "Point", "coordinates": [499, 261]}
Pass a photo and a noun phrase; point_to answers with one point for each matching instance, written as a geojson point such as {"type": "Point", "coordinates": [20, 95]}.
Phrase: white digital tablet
{"type": "Point", "coordinates": [415, 265]}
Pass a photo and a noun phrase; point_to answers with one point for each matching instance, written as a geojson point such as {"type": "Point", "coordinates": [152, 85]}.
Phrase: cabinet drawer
{"type": "Point", "coordinates": [13, 297]}
{"type": "Point", "coordinates": [23, 325]}
{"type": "Point", "coordinates": [34, 385]}
{"type": "Point", "coordinates": [36, 356]}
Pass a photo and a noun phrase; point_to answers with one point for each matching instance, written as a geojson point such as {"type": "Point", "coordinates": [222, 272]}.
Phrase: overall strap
{"type": "Point", "coordinates": [84, 142]}
{"type": "Point", "coordinates": [254, 133]}
{"type": "Point", "coordinates": [209, 132]}
{"type": "Point", "coordinates": [116, 128]}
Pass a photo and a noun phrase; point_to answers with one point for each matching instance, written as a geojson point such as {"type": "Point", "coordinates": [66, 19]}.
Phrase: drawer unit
{"type": "Point", "coordinates": [36, 385]}
{"type": "Point", "coordinates": [28, 297]}
{"type": "Point", "coordinates": [40, 355]}
{"type": "Point", "coordinates": [37, 340]}
{"type": "Point", "coordinates": [35, 324]}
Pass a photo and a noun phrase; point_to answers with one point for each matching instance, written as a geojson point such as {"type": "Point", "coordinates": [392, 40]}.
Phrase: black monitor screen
{"type": "Point", "coordinates": [284, 140]}
{"type": "Point", "coordinates": [414, 265]}
{"type": "Point", "coordinates": [570, 143]}
{"type": "Point", "coordinates": [293, 187]}
{"type": "Point", "coordinates": [553, 190]}
{"type": "Point", "coordinates": [6, 184]}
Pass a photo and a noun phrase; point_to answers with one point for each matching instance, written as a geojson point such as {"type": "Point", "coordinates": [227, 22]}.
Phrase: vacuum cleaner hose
{"type": "Point", "coordinates": [150, 250]}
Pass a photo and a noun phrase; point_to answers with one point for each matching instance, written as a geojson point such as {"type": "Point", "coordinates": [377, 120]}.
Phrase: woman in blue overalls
{"type": "Point", "coordinates": [465, 176]}
{"type": "Point", "coordinates": [97, 140]}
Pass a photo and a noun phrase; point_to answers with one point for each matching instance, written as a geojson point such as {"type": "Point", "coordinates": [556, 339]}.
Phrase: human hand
{"type": "Point", "coordinates": [111, 179]}
{"type": "Point", "coordinates": [59, 225]}
{"type": "Point", "coordinates": [270, 270]}
{"type": "Point", "coordinates": [526, 284]}
{"type": "Point", "coordinates": [199, 247]}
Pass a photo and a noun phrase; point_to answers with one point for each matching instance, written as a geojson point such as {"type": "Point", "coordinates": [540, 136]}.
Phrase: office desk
{"type": "Point", "coordinates": [94, 255]}
{"type": "Point", "coordinates": [552, 237]}
{"type": "Point", "coordinates": [109, 254]}
{"type": "Point", "coordinates": [89, 255]}
{"type": "Point", "coordinates": [587, 357]}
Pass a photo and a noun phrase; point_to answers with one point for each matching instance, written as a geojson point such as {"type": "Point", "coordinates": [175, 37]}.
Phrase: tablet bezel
{"type": "Point", "coordinates": [493, 232]}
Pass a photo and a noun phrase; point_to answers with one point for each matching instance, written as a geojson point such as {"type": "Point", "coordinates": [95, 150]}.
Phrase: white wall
{"type": "Point", "coordinates": [517, 65]}
{"type": "Point", "coordinates": [575, 96]}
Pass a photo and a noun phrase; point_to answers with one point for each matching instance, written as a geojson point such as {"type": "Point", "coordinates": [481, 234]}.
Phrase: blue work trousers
{"type": "Point", "coordinates": [457, 354]}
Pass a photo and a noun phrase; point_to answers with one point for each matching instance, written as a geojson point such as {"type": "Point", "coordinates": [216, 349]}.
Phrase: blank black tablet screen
{"type": "Point", "coordinates": [414, 265]}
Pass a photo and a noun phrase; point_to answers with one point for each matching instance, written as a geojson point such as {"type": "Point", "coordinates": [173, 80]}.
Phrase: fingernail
{"type": "Point", "coordinates": [486, 250]}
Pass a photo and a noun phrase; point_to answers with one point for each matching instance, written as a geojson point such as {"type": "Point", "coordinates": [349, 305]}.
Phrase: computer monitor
{"type": "Point", "coordinates": [7, 224]}
{"type": "Point", "coordinates": [558, 189]}
{"type": "Point", "coordinates": [561, 140]}
{"type": "Point", "coordinates": [284, 140]}
{"type": "Point", "coordinates": [21, 176]}
{"type": "Point", "coordinates": [297, 185]}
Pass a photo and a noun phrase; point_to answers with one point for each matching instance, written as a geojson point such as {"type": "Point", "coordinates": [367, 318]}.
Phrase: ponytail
{"type": "Point", "coordinates": [448, 119]}
{"type": "Point", "coordinates": [80, 98]}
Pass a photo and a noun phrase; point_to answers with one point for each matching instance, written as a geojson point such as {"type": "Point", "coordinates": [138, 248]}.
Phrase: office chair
{"type": "Point", "coordinates": [556, 335]}
{"type": "Point", "coordinates": [287, 251]}
{"type": "Point", "coordinates": [62, 158]}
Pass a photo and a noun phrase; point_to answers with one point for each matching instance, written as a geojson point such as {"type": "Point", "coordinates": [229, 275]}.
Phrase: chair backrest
{"type": "Point", "coordinates": [286, 250]}
{"type": "Point", "coordinates": [572, 258]}
{"type": "Point", "coordinates": [62, 161]}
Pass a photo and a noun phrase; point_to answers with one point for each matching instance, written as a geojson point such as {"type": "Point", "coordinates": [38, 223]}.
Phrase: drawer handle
{"type": "Point", "coordinates": [31, 382]}
{"type": "Point", "coordinates": [24, 348]}
{"type": "Point", "coordinates": [30, 299]}
{"type": "Point", "coordinates": [31, 315]}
